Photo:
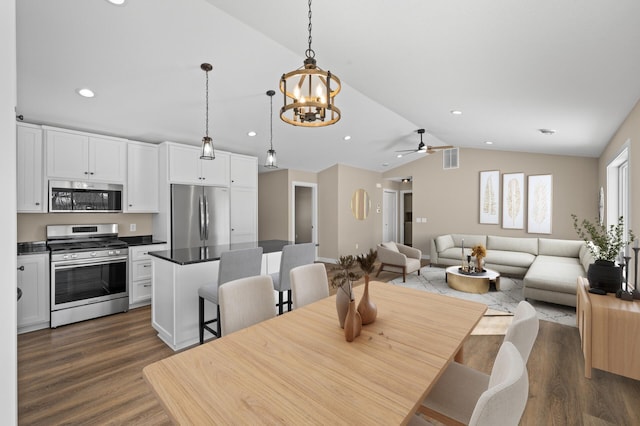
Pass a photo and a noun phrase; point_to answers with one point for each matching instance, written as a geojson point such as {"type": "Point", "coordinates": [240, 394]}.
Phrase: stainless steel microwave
{"type": "Point", "coordinates": [75, 196]}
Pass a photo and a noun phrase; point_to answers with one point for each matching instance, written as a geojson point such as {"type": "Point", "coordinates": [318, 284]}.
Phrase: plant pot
{"type": "Point", "coordinates": [342, 302]}
{"type": "Point", "coordinates": [366, 308]}
{"type": "Point", "coordinates": [605, 275]}
{"type": "Point", "coordinates": [352, 323]}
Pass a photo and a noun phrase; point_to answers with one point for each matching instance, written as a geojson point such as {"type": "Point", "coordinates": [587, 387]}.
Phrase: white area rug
{"type": "Point", "coordinates": [432, 279]}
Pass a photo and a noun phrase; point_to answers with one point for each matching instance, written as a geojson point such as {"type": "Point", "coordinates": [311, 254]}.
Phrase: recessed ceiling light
{"type": "Point", "coordinates": [385, 164]}
{"type": "Point", "coordinates": [547, 131]}
{"type": "Point", "coordinates": [86, 93]}
{"type": "Point", "coordinates": [456, 112]}
{"type": "Point", "coordinates": [252, 133]}
{"type": "Point", "coordinates": [346, 138]}
{"type": "Point", "coordinates": [117, 2]}
{"type": "Point", "coordinates": [488, 142]}
{"type": "Point", "coordinates": [399, 156]}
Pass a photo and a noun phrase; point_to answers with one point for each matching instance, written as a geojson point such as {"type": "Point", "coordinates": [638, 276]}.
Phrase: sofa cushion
{"type": "Point", "coordinates": [469, 240]}
{"type": "Point", "coordinates": [561, 248]}
{"type": "Point", "coordinates": [554, 273]}
{"type": "Point", "coordinates": [525, 245]}
{"type": "Point", "coordinates": [391, 246]}
{"type": "Point", "coordinates": [451, 253]}
{"type": "Point", "coordinates": [509, 258]}
{"type": "Point", "coordinates": [444, 242]}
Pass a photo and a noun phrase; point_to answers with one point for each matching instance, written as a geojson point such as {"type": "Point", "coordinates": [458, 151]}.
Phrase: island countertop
{"type": "Point", "coordinates": [187, 256]}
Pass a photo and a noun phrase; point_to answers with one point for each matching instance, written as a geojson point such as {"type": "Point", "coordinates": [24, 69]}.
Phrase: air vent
{"type": "Point", "coordinates": [450, 158]}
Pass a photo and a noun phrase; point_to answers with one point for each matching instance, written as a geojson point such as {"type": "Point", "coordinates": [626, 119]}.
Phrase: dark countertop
{"type": "Point", "coordinates": [140, 240]}
{"type": "Point", "coordinates": [187, 256]}
{"type": "Point", "coordinates": [36, 247]}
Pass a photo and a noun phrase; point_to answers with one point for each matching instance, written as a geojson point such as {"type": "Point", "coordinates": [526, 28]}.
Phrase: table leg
{"type": "Point", "coordinates": [459, 356]}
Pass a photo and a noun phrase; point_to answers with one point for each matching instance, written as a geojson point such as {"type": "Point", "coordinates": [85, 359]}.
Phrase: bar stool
{"type": "Point", "coordinates": [292, 255]}
{"type": "Point", "coordinates": [233, 265]}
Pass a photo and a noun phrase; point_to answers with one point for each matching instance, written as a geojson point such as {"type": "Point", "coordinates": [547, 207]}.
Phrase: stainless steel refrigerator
{"type": "Point", "coordinates": [199, 216]}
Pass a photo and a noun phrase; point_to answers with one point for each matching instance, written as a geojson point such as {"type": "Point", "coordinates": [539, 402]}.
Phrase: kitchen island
{"type": "Point", "coordinates": [178, 274]}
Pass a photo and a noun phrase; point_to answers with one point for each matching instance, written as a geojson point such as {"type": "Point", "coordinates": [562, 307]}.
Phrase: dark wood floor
{"type": "Point", "coordinates": [91, 373]}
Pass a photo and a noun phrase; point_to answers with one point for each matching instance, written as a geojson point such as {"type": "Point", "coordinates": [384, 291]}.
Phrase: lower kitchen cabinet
{"type": "Point", "coordinates": [33, 282]}
{"type": "Point", "coordinates": [140, 273]}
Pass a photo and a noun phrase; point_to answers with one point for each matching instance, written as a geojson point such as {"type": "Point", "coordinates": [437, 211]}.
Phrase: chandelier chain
{"type": "Point", "coordinates": [310, 53]}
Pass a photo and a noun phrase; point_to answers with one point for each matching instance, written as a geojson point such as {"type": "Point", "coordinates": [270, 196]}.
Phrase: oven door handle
{"type": "Point", "coordinates": [70, 264]}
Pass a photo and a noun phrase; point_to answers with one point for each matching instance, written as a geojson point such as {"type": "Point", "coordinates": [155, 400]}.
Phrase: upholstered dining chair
{"type": "Point", "coordinates": [245, 302]}
{"type": "Point", "coordinates": [233, 265]}
{"type": "Point", "coordinates": [471, 401]}
{"type": "Point", "coordinates": [522, 333]}
{"type": "Point", "coordinates": [308, 284]}
{"type": "Point", "coordinates": [292, 255]}
{"type": "Point", "coordinates": [398, 258]}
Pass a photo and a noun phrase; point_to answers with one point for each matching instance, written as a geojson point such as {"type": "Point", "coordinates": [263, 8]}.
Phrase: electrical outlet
{"type": "Point", "coordinates": [132, 227]}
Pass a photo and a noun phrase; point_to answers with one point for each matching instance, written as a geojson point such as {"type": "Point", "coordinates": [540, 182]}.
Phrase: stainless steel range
{"type": "Point", "coordinates": [88, 272]}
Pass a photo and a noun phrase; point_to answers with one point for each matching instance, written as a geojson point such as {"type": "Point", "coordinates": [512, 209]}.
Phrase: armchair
{"type": "Point", "coordinates": [398, 258]}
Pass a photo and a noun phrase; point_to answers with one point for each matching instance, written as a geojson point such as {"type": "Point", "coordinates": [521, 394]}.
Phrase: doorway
{"type": "Point", "coordinates": [389, 215]}
{"type": "Point", "coordinates": [304, 215]}
{"type": "Point", "coordinates": [406, 212]}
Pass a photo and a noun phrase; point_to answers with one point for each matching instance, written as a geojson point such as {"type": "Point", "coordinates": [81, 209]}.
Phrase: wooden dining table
{"type": "Point", "coordinates": [298, 368]}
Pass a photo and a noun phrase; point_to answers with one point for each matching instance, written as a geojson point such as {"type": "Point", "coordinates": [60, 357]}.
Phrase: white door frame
{"type": "Point", "coordinates": [385, 207]}
{"type": "Point", "coordinates": [314, 211]}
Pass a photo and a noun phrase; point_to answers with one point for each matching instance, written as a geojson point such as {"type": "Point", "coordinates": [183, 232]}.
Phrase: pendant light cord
{"type": "Point", "coordinates": [271, 129]}
{"type": "Point", "coordinates": [207, 102]}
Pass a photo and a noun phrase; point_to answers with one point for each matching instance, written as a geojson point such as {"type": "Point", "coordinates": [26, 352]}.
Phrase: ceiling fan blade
{"type": "Point", "coordinates": [407, 150]}
{"type": "Point", "coordinates": [435, 148]}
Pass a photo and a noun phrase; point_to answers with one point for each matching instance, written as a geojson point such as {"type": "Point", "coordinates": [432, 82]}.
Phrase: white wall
{"type": "Point", "coordinates": [8, 321]}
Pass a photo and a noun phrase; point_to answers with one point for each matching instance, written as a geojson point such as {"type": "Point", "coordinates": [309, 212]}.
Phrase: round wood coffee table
{"type": "Point", "coordinates": [472, 283]}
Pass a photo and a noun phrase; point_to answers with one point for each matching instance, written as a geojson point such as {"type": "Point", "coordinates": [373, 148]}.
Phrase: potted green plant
{"type": "Point", "coordinates": [367, 309]}
{"type": "Point", "coordinates": [342, 280]}
{"type": "Point", "coordinates": [605, 245]}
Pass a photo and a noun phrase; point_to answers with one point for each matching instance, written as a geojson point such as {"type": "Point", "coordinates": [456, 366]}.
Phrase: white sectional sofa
{"type": "Point", "coordinates": [550, 267]}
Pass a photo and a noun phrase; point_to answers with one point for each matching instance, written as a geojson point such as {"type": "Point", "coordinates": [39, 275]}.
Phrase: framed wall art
{"type": "Point", "coordinates": [490, 197]}
{"type": "Point", "coordinates": [513, 197]}
{"type": "Point", "coordinates": [539, 202]}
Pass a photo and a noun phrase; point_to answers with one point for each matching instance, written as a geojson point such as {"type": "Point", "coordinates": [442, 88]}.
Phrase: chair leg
{"type": "Point", "coordinates": [380, 269]}
{"type": "Point", "coordinates": [280, 302]}
{"type": "Point", "coordinates": [289, 301]}
{"type": "Point", "coordinates": [201, 318]}
{"type": "Point", "coordinates": [404, 274]}
{"type": "Point", "coordinates": [218, 322]}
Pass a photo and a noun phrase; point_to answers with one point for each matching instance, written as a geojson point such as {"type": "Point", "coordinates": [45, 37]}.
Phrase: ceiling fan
{"type": "Point", "coordinates": [422, 148]}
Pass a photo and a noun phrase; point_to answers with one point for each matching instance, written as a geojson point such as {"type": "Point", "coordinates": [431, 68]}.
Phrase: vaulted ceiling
{"type": "Point", "coordinates": [511, 68]}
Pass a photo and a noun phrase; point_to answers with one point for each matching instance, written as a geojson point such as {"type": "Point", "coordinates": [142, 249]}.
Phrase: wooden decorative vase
{"type": "Point", "coordinates": [366, 308]}
{"type": "Point", "coordinates": [352, 323]}
{"type": "Point", "coordinates": [342, 303]}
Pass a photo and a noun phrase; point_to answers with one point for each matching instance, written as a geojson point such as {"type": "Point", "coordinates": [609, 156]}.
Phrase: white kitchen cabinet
{"type": "Point", "coordinates": [244, 217]}
{"type": "Point", "coordinates": [33, 280]}
{"type": "Point", "coordinates": [244, 171]}
{"type": "Point", "coordinates": [82, 156]}
{"type": "Point", "coordinates": [142, 178]}
{"type": "Point", "coordinates": [140, 273]}
{"type": "Point", "coordinates": [29, 168]}
{"type": "Point", "coordinates": [186, 167]}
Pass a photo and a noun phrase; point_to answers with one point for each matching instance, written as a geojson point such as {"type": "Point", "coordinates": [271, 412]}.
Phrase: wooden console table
{"type": "Point", "coordinates": [609, 332]}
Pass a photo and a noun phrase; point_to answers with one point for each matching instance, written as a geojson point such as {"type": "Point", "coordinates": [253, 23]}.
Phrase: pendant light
{"type": "Point", "coordinates": [309, 93]}
{"type": "Point", "coordinates": [271, 153]}
{"type": "Point", "coordinates": [207, 143]}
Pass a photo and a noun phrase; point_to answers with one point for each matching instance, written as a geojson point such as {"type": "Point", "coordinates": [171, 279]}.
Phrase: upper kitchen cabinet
{"type": "Point", "coordinates": [142, 178]}
{"type": "Point", "coordinates": [82, 156]}
{"type": "Point", "coordinates": [244, 171]}
{"type": "Point", "coordinates": [30, 197]}
{"type": "Point", "coordinates": [186, 167]}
